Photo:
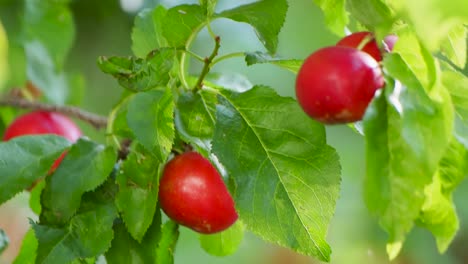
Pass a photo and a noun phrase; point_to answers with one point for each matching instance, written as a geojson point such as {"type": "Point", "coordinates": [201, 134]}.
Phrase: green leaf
{"type": "Point", "coordinates": [166, 247]}
{"type": "Point", "coordinates": [266, 17]}
{"type": "Point", "coordinates": [136, 74]}
{"type": "Point", "coordinates": [49, 33]}
{"type": "Point", "coordinates": [433, 20]}
{"type": "Point", "coordinates": [209, 6]}
{"type": "Point", "coordinates": [27, 253]}
{"type": "Point", "coordinates": [126, 250]}
{"type": "Point", "coordinates": [335, 14]}
{"type": "Point", "coordinates": [147, 32]}
{"type": "Point", "coordinates": [181, 22]}
{"type": "Point", "coordinates": [418, 59]}
{"type": "Point", "coordinates": [4, 241]}
{"type": "Point", "coordinates": [120, 66]}
{"type": "Point", "coordinates": [26, 159]}
{"type": "Point", "coordinates": [454, 46]}
{"type": "Point", "coordinates": [453, 167]}
{"type": "Point", "coordinates": [76, 88]}
{"type": "Point", "coordinates": [138, 181]}
{"type": "Point", "coordinates": [16, 63]}
{"type": "Point", "coordinates": [89, 234]}
{"type": "Point", "coordinates": [438, 212]}
{"type": "Point", "coordinates": [3, 57]}
{"type": "Point", "coordinates": [85, 167]}
{"type": "Point", "coordinates": [260, 57]}
{"type": "Point", "coordinates": [35, 197]}
{"type": "Point", "coordinates": [150, 117]}
{"type": "Point", "coordinates": [373, 14]}
{"type": "Point", "coordinates": [406, 136]}
{"type": "Point", "coordinates": [224, 243]}
{"type": "Point", "coordinates": [457, 84]}
{"type": "Point", "coordinates": [43, 73]}
{"type": "Point", "coordinates": [195, 116]}
{"type": "Point", "coordinates": [120, 125]}
{"type": "Point", "coordinates": [49, 23]}
{"type": "Point", "coordinates": [285, 177]}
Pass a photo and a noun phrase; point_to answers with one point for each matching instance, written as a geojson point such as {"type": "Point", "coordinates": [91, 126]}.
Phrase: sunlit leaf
{"type": "Point", "coordinates": [224, 243]}
{"type": "Point", "coordinates": [285, 177]}
{"type": "Point", "coordinates": [266, 17]}
{"type": "Point", "coordinates": [260, 57]}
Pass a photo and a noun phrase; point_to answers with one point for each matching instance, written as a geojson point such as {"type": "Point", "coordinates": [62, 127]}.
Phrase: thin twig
{"type": "Point", "coordinates": [207, 66]}
{"type": "Point", "coordinates": [95, 120]}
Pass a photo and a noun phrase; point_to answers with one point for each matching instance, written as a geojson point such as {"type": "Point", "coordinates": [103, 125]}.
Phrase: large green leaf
{"type": "Point", "coordinates": [286, 178]}
{"type": "Point", "coordinates": [138, 180]}
{"type": "Point", "coordinates": [373, 14]}
{"type": "Point", "coordinates": [195, 118]}
{"type": "Point", "coordinates": [406, 136]}
{"type": "Point", "coordinates": [224, 243]}
{"type": "Point", "coordinates": [166, 246]}
{"type": "Point", "coordinates": [438, 212]}
{"type": "Point", "coordinates": [49, 32]}
{"type": "Point", "coordinates": [150, 117]}
{"type": "Point", "coordinates": [147, 32]}
{"type": "Point", "coordinates": [416, 56]}
{"type": "Point", "coordinates": [335, 14]}
{"type": "Point", "coordinates": [181, 22]}
{"type": "Point", "coordinates": [126, 250]}
{"type": "Point", "coordinates": [26, 159]}
{"type": "Point", "coordinates": [50, 23]}
{"type": "Point", "coordinates": [433, 20]}
{"type": "Point", "coordinates": [157, 246]}
{"type": "Point", "coordinates": [42, 71]}
{"type": "Point", "coordinates": [457, 84]}
{"type": "Point", "coordinates": [27, 253]}
{"type": "Point", "coordinates": [85, 167]}
{"type": "Point", "coordinates": [88, 234]}
{"type": "Point", "coordinates": [265, 16]}
{"type": "Point", "coordinates": [260, 57]}
{"type": "Point", "coordinates": [137, 74]}
{"type": "Point", "coordinates": [454, 46]}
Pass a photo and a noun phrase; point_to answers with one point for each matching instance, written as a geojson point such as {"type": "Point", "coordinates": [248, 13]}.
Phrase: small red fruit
{"type": "Point", "coordinates": [42, 122]}
{"type": "Point", "coordinates": [354, 41]}
{"type": "Point", "coordinates": [193, 194]}
{"type": "Point", "coordinates": [335, 84]}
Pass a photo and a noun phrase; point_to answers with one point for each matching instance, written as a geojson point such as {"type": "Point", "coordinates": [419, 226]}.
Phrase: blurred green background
{"type": "Point", "coordinates": [104, 27]}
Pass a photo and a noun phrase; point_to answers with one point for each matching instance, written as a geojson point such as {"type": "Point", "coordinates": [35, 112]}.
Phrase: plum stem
{"type": "Point", "coordinates": [95, 120]}
{"type": "Point", "coordinates": [365, 41]}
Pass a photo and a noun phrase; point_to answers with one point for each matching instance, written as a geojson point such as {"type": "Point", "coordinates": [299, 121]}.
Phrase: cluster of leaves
{"type": "Point", "coordinates": [415, 130]}
{"type": "Point", "coordinates": [283, 176]}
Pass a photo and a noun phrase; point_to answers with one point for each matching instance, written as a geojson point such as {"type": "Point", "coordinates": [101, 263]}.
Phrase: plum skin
{"type": "Point", "coordinates": [43, 122]}
{"type": "Point", "coordinates": [355, 39]}
{"type": "Point", "coordinates": [371, 47]}
{"type": "Point", "coordinates": [193, 194]}
{"type": "Point", "coordinates": [335, 84]}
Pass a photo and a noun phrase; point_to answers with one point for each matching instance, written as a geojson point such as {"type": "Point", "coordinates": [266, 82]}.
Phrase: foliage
{"type": "Point", "coordinates": [284, 177]}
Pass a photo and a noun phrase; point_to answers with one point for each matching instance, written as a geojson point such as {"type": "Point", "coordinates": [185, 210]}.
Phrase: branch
{"type": "Point", "coordinates": [95, 120]}
{"type": "Point", "coordinates": [207, 66]}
